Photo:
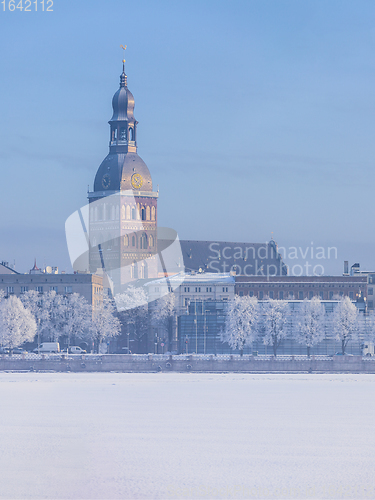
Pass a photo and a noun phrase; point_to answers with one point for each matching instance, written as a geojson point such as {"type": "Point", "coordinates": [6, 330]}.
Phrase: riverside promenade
{"type": "Point", "coordinates": [146, 363]}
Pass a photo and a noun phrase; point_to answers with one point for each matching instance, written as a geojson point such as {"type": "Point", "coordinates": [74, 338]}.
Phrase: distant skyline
{"type": "Point", "coordinates": [256, 118]}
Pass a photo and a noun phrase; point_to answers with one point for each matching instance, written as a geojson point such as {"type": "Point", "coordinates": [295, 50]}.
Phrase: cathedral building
{"type": "Point", "coordinates": [123, 204]}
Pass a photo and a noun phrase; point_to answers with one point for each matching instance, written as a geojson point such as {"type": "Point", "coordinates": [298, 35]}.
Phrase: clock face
{"type": "Point", "coordinates": [137, 181]}
{"type": "Point", "coordinates": [106, 181]}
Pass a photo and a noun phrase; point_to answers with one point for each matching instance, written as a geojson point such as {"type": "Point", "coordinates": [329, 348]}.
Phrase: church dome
{"type": "Point", "coordinates": [123, 105]}
{"type": "Point", "coordinates": [117, 170]}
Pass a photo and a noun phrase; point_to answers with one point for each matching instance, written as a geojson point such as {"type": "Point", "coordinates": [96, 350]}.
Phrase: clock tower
{"type": "Point", "coordinates": [123, 205]}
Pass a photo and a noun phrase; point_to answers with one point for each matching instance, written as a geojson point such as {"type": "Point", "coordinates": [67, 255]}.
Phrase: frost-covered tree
{"type": "Point", "coordinates": [17, 324]}
{"type": "Point", "coordinates": [133, 298]}
{"type": "Point", "coordinates": [33, 303]}
{"type": "Point", "coordinates": [274, 314]}
{"type": "Point", "coordinates": [345, 322]}
{"type": "Point", "coordinates": [133, 308]}
{"type": "Point", "coordinates": [54, 308]}
{"type": "Point", "coordinates": [77, 316]}
{"type": "Point", "coordinates": [241, 322]}
{"type": "Point", "coordinates": [162, 312]}
{"type": "Point", "coordinates": [309, 328]}
{"type": "Point", "coordinates": [105, 323]}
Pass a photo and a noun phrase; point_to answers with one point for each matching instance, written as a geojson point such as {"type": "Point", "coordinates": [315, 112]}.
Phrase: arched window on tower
{"type": "Point", "coordinates": [150, 241]}
{"type": "Point", "coordinates": [147, 213]}
{"type": "Point", "coordinates": [123, 134]}
{"type": "Point", "coordinates": [134, 215]}
{"type": "Point", "coordinates": [134, 241]}
{"type": "Point", "coordinates": [128, 212]}
{"type": "Point", "coordinates": [138, 212]}
{"type": "Point", "coordinates": [144, 270]}
{"type": "Point", "coordinates": [123, 212]}
{"type": "Point", "coordinates": [126, 240]}
{"type": "Point", "coordinates": [143, 213]}
{"type": "Point", "coordinates": [131, 134]}
{"type": "Point", "coordinates": [153, 213]}
{"type": "Point", "coordinates": [143, 241]}
{"type": "Point", "coordinates": [134, 271]}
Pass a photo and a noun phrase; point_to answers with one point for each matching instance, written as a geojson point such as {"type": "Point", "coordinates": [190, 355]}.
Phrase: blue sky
{"type": "Point", "coordinates": [255, 116]}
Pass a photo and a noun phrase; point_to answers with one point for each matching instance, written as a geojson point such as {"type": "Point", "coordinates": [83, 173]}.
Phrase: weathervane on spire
{"type": "Point", "coordinates": [124, 48]}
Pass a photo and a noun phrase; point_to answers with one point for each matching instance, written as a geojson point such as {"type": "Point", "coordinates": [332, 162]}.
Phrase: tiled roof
{"type": "Point", "coordinates": [222, 256]}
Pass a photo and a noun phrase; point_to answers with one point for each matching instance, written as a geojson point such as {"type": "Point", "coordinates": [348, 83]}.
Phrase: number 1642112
{"type": "Point", "coordinates": [27, 5]}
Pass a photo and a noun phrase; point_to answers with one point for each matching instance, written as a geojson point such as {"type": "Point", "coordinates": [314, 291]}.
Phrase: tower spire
{"type": "Point", "coordinates": [123, 77]}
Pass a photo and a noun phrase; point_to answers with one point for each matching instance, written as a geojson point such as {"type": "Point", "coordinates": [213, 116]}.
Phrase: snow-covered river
{"type": "Point", "coordinates": [128, 436]}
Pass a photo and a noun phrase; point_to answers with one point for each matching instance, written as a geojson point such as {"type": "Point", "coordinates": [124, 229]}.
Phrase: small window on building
{"type": "Point", "coordinates": [321, 295]}
{"type": "Point", "coordinates": [300, 295]}
{"type": "Point", "coordinates": [241, 293]}
{"type": "Point", "coordinates": [10, 289]}
{"type": "Point", "coordinates": [330, 295]}
{"type": "Point", "coordinates": [311, 295]}
{"type": "Point", "coordinates": [186, 302]}
{"type": "Point", "coordinates": [68, 289]}
{"type": "Point", "coordinates": [261, 294]}
{"type": "Point", "coordinates": [281, 295]}
{"type": "Point", "coordinates": [371, 291]}
{"type": "Point", "coordinates": [370, 304]}
{"type": "Point", "coordinates": [53, 288]}
{"type": "Point", "coordinates": [251, 293]}
{"type": "Point", "coordinates": [271, 294]}
{"type": "Point", "coordinates": [24, 289]}
{"type": "Point", "coordinates": [39, 289]}
{"type": "Point", "coordinates": [351, 295]}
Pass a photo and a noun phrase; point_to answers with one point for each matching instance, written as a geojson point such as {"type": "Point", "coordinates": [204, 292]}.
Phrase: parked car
{"type": "Point", "coordinates": [341, 354]}
{"type": "Point", "coordinates": [48, 347]}
{"type": "Point", "coordinates": [19, 350]}
{"type": "Point", "coordinates": [4, 350]}
{"type": "Point", "coordinates": [75, 349]}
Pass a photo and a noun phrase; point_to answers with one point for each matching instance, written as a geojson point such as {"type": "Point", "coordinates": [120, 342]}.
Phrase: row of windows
{"type": "Point", "coordinates": [107, 241]}
{"type": "Point", "coordinates": [139, 270]}
{"type": "Point", "coordinates": [144, 241]}
{"type": "Point", "coordinates": [294, 295]}
{"type": "Point", "coordinates": [105, 211]}
{"type": "Point", "coordinates": [208, 289]}
{"type": "Point", "coordinates": [123, 134]}
{"type": "Point", "coordinates": [40, 289]}
{"type": "Point", "coordinates": [279, 285]}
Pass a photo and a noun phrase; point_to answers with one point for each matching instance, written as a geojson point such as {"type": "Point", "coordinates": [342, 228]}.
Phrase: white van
{"type": "Point", "coordinates": [48, 347]}
{"type": "Point", "coordinates": [368, 349]}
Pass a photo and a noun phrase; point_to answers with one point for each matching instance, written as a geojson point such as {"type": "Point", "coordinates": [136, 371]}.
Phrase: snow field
{"type": "Point", "coordinates": [172, 435]}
